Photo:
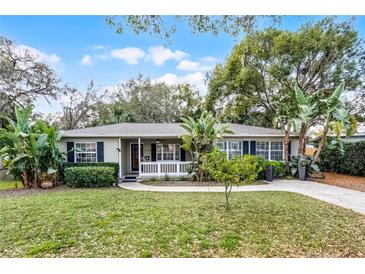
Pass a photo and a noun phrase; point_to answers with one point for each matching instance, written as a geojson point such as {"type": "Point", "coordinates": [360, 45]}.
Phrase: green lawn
{"type": "Point", "coordinates": [121, 223]}
{"type": "Point", "coordinates": [10, 185]}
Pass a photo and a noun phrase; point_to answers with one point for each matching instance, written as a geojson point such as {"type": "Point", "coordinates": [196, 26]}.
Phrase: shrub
{"type": "Point", "coordinates": [88, 176]}
{"type": "Point", "coordinates": [349, 161]}
{"type": "Point", "coordinates": [97, 164]}
{"type": "Point", "coordinates": [238, 171]}
{"type": "Point", "coordinates": [279, 167]}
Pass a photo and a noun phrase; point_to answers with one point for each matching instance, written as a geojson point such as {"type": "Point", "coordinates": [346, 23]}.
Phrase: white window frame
{"type": "Point", "coordinates": [76, 152]}
{"type": "Point", "coordinates": [227, 147]}
{"type": "Point", "coordinates": [282, 150]}
{"type": "Point", "coordinates": [162, 153]}
{"type": "Point", "coordinates": [264, 150]}
{"type": "Point", "coordinates": [271, 150]}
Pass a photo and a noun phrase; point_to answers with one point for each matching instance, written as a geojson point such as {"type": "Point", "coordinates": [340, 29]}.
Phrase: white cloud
{"type": "Point", "coordinates": [159, 55]}
{"type": "Point", "coordinates": [129, 55]}
{"type": "Point", "coordinates": [51, 59]}
{"type": "Point", "coordinates": [187, 65]}
{"type": "Point", "coordinates": [209, 59]}
{"type": "Point", "coordinates": [195, 79]}
{"type": "Point", "coordinates": [86, 60]}
{"type": "Point", "coordinates": [98, 47]}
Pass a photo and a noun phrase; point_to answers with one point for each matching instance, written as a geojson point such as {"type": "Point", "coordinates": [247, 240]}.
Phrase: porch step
{"type": "Point", "coordinates": [129, 178]}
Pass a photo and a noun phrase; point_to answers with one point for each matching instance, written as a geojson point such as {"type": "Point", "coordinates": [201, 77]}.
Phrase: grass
{"type": "Point", "coordinates": [10, 185]}
{"type": "Point", "coordinates": [120, 223]}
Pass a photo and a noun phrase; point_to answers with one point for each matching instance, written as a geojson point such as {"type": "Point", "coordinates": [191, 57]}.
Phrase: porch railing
{"type": "Point", "coordinates": [158, 169]}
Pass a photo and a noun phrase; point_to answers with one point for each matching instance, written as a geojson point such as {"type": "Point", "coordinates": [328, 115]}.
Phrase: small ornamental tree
{"type": "Point", "coordinates": [237, 171]}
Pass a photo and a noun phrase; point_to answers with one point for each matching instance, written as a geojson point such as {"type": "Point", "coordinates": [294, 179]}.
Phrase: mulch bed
{"type": "Point", "coordinates": [188, 183]}
{"type": "Point", "coordinates": [23, 192]}
{"type": "Point", "coordinates": [345, 181]}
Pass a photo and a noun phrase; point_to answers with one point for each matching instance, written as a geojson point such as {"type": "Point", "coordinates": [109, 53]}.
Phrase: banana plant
{"type": "Point", "coordinates": [30, 150]}
{"type": "Point", "coordinates": [336, 117]}
{"type": "Point", "coordinates": [201, 135]}
{"type": "Point", "coordinates": [304, 117]}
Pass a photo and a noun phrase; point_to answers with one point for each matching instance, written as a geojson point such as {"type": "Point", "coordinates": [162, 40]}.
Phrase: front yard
{"type": "Point", "coordinates": [119, 223]}
{"type": "Point", "coordinates": [5, 185]}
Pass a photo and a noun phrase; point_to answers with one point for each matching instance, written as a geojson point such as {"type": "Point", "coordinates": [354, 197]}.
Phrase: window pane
{"type": "Point", "coordinates": [262, 149]}
{"type": "Point", "coordinates": [276, 145]}
{"type": "Point", "coordinates": [262, 146]}
{"type": "Point", "coordinates": [85, 152]}
{"type": "Point", "coordinates": [264, 154]}
{"type": "Point", "coordinates": [277, 151]}
{"type": "Point", "coordinates": [234, 149]}
{"type": "Point", "coordinates": [159, 152]}
{"type": "Point", "coordinates": [277, 155]}
{"type": "Point", "coordinates": [168, 152]}
{"type": "Point", "coordinates": [177, 152]}
{"type": "Point", "coordinates": [221, 146]}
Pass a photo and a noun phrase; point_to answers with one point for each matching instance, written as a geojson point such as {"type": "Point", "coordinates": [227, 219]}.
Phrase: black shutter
{"type": "Point", "coordinates": [100, 151]}
{"type": "Point", "coordinates": [70, 152]}
{"type": "Point", "coordinates": [182, 155]}
{"type": "Point", "coordinates": [245, 147]}
{"type": "Point", "coordinates": [153, 152]}
{"type": "Point", "coordinates": [289, 150]}
{"type": "Point", "coordinates": [253, 147]}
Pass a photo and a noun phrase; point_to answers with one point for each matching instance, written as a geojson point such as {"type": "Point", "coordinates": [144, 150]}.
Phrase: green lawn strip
{"type": "Point", "coordinates": [10, 185]}
{"type": "Point", "coordinates": [121, 223]}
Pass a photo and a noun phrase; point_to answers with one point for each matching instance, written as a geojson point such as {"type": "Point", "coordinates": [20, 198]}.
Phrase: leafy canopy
{"type": "Point", "coordinates": [264, 69]}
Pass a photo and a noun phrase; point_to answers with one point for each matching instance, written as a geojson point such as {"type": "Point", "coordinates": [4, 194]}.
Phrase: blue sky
{"type": "Point", "coordinates": [84, 48]}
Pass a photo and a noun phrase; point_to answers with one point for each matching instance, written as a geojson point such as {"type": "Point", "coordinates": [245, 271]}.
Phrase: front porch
{"type": "Point", "coordinates": [148, 158]}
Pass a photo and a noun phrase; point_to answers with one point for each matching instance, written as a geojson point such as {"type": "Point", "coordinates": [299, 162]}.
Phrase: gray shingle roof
{"type": "Point", "coordinates": [163, 130]}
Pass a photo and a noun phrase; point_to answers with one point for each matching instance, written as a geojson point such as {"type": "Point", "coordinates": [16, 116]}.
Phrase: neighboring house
{"type": "Point", "coordinates": [153, 149]}
{"type": "Point", "coordinates": [357, 137]}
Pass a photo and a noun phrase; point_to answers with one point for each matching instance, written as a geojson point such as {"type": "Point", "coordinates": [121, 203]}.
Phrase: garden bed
{"type": "Point", "coordinates": [189, 183]}
{"type": "Point", "coordinates": [345, 181]}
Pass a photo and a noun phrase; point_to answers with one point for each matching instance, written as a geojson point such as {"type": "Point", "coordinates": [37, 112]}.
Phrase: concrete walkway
{"type": "Point", "coordinates": [343, 197]}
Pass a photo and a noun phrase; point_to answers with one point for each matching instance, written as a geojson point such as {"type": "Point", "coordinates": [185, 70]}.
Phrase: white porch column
{"type": "Point", "coordinates": [120, 157]}
{"type": "Point", "coordinates": [139, 157]}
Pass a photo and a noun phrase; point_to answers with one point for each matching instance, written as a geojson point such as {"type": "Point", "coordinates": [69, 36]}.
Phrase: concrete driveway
{"type": "Point", "coordinates": [346, 198]}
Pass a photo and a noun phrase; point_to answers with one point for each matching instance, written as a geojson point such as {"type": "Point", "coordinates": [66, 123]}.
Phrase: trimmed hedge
{"type": "Point", "coordinates": [97, 164]}
{"type": "Point", "coordinates": [351, 161]}
{"type": "Point", "coordinates": [86, 176]}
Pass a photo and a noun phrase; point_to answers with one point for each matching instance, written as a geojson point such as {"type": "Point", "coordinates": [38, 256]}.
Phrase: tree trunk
{"type": "Point", "coordinates": [301, 147]}
{"type": "Point", "coordinates": [286, 150]}
{"type": "Point", "coordinates": [227, 192]}
{"type": "Point", "coordinates": [322, 142]}
{"type": "Point", "coordinates": [25, 179]}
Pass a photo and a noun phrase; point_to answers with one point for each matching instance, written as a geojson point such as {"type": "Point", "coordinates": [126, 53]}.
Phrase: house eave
{"type": "Point", "coordinates": [174, 136]}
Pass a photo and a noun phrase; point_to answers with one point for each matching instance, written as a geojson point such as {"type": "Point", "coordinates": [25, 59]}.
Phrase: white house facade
{"type": "Point", "coordinates": [153, 149]}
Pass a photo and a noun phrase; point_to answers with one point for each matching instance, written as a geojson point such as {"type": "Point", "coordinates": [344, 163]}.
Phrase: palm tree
{"type": "Point", "coordinates": [200, 139]}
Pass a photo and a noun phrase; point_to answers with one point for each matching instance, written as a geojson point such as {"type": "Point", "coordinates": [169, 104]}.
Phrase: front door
{"type": "Point", "coordinates": [134, 156]}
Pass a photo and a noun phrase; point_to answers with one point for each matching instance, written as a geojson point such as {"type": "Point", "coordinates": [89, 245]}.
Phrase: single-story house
{"type": "Point", "coordinates": [153, 149]}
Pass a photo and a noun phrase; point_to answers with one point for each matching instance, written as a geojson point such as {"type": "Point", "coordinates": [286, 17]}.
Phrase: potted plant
{"type": "Point", "coordinates": [302, 170]}
{"type": "Point", "coordinates": [269, 171]}
{"type": "Point", "coordinates": [47, 179]}
{"type": "Point", "coordinates": [303, 167]}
